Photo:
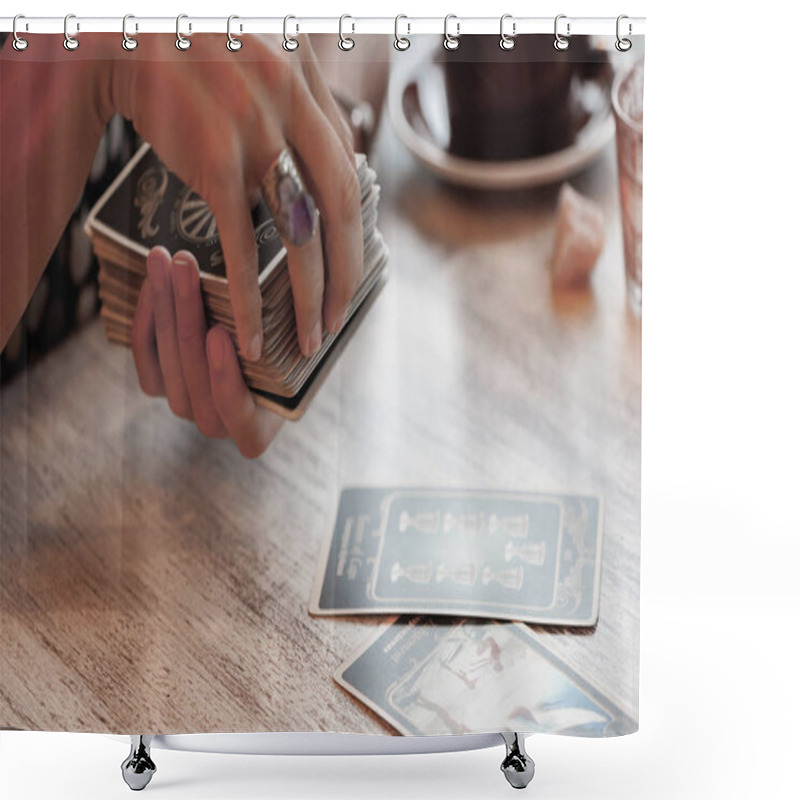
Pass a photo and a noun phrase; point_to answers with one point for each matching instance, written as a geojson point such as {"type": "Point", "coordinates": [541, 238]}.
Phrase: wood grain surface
{"type": "Point", "coordinates": [155, 581]}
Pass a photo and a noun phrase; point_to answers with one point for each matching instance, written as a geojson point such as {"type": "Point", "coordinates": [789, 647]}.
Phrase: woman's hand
{"type": "Point", "coordinates": [195, 368]}
{"type": "Point", "coordinates": [219, 120]}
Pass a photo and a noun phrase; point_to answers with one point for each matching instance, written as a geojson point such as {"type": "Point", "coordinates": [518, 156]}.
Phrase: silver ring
{"type": "Point", "coordinates": [70, 42]}
{"type": "Point", "coordinates": [290, 44]}
{"type": "Point", "coordinates": [623, 45]}
{"type": "Point", "coordinates": [19, 44]}
{"type": "Point", "coordinates": [401, 43]}
{"type": "Point", "coordinates": [128, 42]}
{"type": "Point", "coordinates": [507, 42]}
{"type": "Point", "coordinates": [233, 44]}
{"type": "Point", "coordinates": [346, 42]}
{"type": "Point", "coordinates": [561, 42]}
{"type": "Point", "coordinates": [182, 43]}
{"type": "Point", "coordinates": [451, 42]}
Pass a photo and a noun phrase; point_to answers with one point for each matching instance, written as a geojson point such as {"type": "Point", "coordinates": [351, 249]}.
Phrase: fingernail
{"type": "Point", "coordinates": [156, 272]}
{"type": "Point", "coordinates": [216, 351]}
{"type": "Point", "coordinates": [254, 348]}
{"type": "Point", "coordinates": [182, 270]}
{"type": "Point", "coordinates": [338, 325]}
{"type": "Point", "coordinates": [315, 340]}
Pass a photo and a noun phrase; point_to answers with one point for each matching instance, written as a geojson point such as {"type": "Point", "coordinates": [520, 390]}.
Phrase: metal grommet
{"type": "Point", "coordinates": [70, 42]}
{"type": "Point", "coordinates": [19, 44]}
{"type": "Point", "coordinates": [290, 44]}
{"type": "Point", "coordinates": [128, 42]}
{"type": "Point", "coordinates": [182, 43]}
{"type": "Point", "coordinates": [507, 42]}
{"type": "Point", "coordinates": [345, 42]}
{"type": "Point", "coordinates": [623, 45]}
{"type": "Point", "coordinates": [561, 42]}
{"type": "Point", "coordinates": [233, 44]}
{"type": "Point", "coordinates": [451, 42]}
{"type": "Point", "coordinates": [401, 42]}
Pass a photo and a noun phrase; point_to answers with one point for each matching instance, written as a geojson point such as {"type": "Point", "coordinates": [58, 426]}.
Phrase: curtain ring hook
{"type": "Point", "coordinates": [70, 42]}
{"type": "Point", "coordinates": [451, 42]}
{"type": "Point", "coordinates": [290, 44]}
{"type": "Point", "coordinates": [129, 42]}
{"type": "Point", "coordinates": [346, 42]}
{"type": "Point", "coordinates": [233, 44]}
{"type": "Point", "coordinates": [182, 43]}
{"type": "Point", "coordinates": [623, 45]}
{"type": "Point", "coordinates": [507, 42]}
{"type": "Point", "coordinates": [561, 42]}
{"type": "Point", "coordinates": [401, 42]}
{"type": "Point", "coordinates": [19, 44]}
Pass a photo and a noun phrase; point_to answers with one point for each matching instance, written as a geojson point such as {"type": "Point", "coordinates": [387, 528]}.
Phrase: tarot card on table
{"type": "Point", "coordinates": [434, 677]}
{"type": "Point", "coordinates": [502, 555]}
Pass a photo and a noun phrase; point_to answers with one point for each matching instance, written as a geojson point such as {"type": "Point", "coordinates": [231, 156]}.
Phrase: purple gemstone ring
{"type": "Point", "coordinates": [286, 196]}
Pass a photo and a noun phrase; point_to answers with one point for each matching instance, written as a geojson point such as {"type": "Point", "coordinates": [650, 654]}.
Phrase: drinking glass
{"type": "Point", "coordinates": [626, 99]}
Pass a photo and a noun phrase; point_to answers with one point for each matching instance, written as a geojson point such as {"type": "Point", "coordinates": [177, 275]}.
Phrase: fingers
{"type": "Point", "coordinates": [327, 102]}
{"type": "Point", "coordinates": [143, 344]}
{"type": "Point", "coordinates": [231, 208]}
{"type": "Point", "coordinates": [169, 359]}
{"type": "Point", "coordinates": [296, 219]}
{"type": "Point", "coordinates": [307, 276]}
{"type": "Point", "coordinates": [251, 427]}
{"type": "Point", "coordinates": [198, 370]}
{"type": "Point", "coordinates": [334, 184]}
{"type": "Point", "coordinates": [191, 335]}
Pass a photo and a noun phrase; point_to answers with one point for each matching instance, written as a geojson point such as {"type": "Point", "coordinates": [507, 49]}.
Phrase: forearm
{"type": "Point", "coordinates": [54, 107]}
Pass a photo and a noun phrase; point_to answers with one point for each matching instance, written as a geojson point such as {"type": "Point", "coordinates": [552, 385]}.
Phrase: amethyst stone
{"type": "Point", "coordinates": [297, 217]}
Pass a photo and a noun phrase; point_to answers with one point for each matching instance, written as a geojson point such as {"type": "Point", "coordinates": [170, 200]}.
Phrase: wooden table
{"type": "Point", "coordinates": [155, 581]}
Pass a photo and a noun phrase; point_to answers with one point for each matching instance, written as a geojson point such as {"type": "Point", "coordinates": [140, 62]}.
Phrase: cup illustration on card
{"type": "Point", "coordinates": [416, 573]}
{"type": "Point", "coordinates": [463, 523]}
{"type": "Point", "coordinates": [425, 521]}
{"type": "Point", "coordinates": [464, 574]}
{"type": "Point", "coordinates": [513, 525]}
{"type": "Point", "coordinates": [511, 577]}
{"type": "Point", "coordinates": [529, 552]}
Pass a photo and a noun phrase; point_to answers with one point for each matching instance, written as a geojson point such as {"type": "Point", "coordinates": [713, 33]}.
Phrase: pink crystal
{"type": "Point", "coordinates": [578, 241]}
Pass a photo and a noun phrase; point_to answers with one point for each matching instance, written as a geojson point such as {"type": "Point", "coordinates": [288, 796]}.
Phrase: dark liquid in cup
{"type": "Point", "coordinates": [520, 103]}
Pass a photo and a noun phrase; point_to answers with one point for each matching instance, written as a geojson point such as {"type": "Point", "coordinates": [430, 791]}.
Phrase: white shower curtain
{"type": "Point", "coordinates": [426, 521]}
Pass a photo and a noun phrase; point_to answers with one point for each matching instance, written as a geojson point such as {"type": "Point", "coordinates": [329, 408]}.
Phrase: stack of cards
{"type": "Point", "coordinates": [148, 206]}
{"type": "Point", "coordinates": [470, 554]}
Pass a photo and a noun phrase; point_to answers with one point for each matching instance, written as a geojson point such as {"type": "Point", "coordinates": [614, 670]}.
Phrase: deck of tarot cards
{"type": "Point", "coordinates": [148, 206]}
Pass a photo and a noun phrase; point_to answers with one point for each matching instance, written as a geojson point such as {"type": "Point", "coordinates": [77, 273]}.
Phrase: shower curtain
{"type": "Point", "coordinates": [321, 401]}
